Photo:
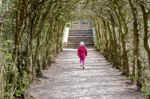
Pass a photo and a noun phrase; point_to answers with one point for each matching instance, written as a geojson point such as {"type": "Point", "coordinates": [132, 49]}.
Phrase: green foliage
{"type": "Point", "coordinates": [68, 25]}
{"type": "Point", "coordinates": [133, 78]}
{"type": "Point", "coordinates": [9, 70]}
{"type": "Point", "coordinates": [22, 84]}
{"type": "Point", "coordinates": [146, 91]}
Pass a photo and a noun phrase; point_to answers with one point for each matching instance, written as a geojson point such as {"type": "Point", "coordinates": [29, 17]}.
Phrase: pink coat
{"type": "Point", "coordinates": [82, 52]}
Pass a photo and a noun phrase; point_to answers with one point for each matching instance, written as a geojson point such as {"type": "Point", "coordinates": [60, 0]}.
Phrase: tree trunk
{"type": "Point", "coordinates": [136, 60]}
{"type": "Point", "coordinates": [123, 41]}
{"type": "Point", "coordinates": [146, 34]}
{"type": "Point", "coordinates": [114, 43]}
{"type": "Point", "coordinates": [106, 51]}
{"type": "Point", "coordinates": [1, 83]}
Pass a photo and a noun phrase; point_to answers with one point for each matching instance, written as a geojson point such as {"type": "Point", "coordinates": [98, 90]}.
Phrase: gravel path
{"type": "Point", "coordinates": [67, 80]}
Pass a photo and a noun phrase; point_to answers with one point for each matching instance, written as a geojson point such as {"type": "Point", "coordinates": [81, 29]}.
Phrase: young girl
{"type": "Point", "coordinates": [82, 53]}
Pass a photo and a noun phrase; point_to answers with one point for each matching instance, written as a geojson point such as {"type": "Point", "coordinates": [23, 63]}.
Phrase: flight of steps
{"type": "Point", "coordinates": [76, 36]}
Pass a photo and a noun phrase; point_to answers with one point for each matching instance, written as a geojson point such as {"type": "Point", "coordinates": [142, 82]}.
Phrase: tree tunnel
{"type": "Point", "coordinates": [32, 35]}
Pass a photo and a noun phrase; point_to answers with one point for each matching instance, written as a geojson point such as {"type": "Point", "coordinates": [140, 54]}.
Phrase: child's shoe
{"type": "Point", "coordinates": [83, 67]}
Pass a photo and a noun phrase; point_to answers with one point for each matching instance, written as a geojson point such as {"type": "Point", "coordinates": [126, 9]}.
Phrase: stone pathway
{"type": "Point", "coordinates": [67, 80]}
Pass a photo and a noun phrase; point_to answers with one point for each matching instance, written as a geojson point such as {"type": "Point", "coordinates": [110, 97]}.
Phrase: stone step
{"type": "Point", "coordinates": [70, 43]}
{"type": "Point", "coordinates": [76, 45]}
{"type": "Point", "coordinates": [80, 33]}
{"type": "Point", "coordinates": [76, 36]}
{"type": "Point", "coordinates": [83, 36]}
{"type": "Point", "coordinates": [78, 42]}
{"type": "Point", "coordinates": [79, 39]}
{"type": "Point", "coordinates": [90, 30]}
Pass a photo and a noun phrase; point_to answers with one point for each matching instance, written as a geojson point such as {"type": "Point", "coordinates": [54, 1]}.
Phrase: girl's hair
{"type": "Point", "coordinates": [81, 43]}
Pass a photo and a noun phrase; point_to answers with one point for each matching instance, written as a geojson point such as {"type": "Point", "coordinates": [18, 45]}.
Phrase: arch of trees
{"type": "Point", "coordinates": [32, 32]}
